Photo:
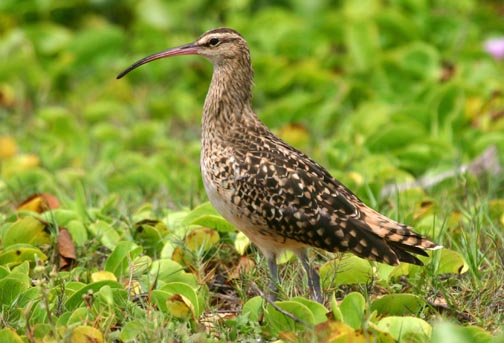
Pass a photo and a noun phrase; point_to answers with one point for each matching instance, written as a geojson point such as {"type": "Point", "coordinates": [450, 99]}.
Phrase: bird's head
{"type": "Point", "coordinates": [218, 46]}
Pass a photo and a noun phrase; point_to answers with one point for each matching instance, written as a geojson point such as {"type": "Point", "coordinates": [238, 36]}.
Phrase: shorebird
{"type": "Point", "coordinates": [276, 195]}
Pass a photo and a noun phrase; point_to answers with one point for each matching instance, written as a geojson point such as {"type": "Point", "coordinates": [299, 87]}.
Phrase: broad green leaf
{"type": "Point", "coordinates": [12, 288]}
{"type": "Point", "coordinates": [19, 253]}
{"type": "Point", "coordinates": [284, 257]}
{"type": "Point", "coordinates": [60, 216]}
{"type": "Point", "coordinates": [361, 38]}
{"type": "Point", "coordinates": [78, 232]}
{"type": "Point", "coordinates": [253, 308]}
{"type": "Point", "coordinates": [27, 230]}
{"type": "Point", "coordinates": [50, 38]}
{"type": "Point", "coordinates": [149, 234]}
{"type": "Point", "coordinates": [201, 239]}
{"type": "Point", "coordinates": [352, 308]}
{"type": "Point", "coordinates": [419, 59]}
{"type": "Point", "coordinates": [318, 310]}
{"type": "Point", "coordinates": [105, 233]}
{"type": "Point", "coordinates": [280, 322]}
{"type": "Point", "coordinates": [41, 330]}
{"type": "Point", "coordinates": [205, 215]}
{"type": "Point", "coordinates": [447, 332]}
{"type": "Point", "coordinates": [399, 304]}
{"type": "Point", "coordinates": [73, 301]}
{"type": "Point", "coordinates": [166, 271]}
{"type": "Point", "coordinates": [408, 329]}
{"type": "Point", "coordinates": [4, 271]}
{"type": "Point", "coordinates": [8, 335]}
{"type": "Point", "coordinates": [132, 329]}
{"type": "Point", "coordinates": [350, 269]}
{"type": "Point", "coordinates": [31, 295]}
{"type": "Point", "coordinates": [451, 262]}
{"type": "Point", "coordinates": [188, 292]}
{"type": "Point", "coordinates": [122, 257]}
{"type": "Point", "coordinates": [23, 268]}
{"type": "Point", "coordinates": [78, 315]}
{"type": "Point", "coordinates": [159, 298]}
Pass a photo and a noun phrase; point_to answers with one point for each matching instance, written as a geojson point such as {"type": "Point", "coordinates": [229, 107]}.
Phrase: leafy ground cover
{"type": "Point", "coordinates": [106, 234]}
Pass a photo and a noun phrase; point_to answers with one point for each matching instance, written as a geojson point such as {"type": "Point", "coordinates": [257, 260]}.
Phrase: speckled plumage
{"type": "Point", "coordinates": [279, 197]}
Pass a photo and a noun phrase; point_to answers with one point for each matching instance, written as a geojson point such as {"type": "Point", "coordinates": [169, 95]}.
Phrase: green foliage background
{"type": "Point", "coordinates": [379, 92]}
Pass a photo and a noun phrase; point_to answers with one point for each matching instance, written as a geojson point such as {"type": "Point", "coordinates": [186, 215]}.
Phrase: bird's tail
{"type": "Point", "coordinates": [392, 242]}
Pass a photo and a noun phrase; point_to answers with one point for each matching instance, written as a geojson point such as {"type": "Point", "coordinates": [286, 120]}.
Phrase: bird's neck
{"type": "Point", "coordinates": [228, 102]}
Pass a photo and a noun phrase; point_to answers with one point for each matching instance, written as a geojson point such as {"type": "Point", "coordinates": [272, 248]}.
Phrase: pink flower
{"type": "Point", "coordinates": [495, 47]}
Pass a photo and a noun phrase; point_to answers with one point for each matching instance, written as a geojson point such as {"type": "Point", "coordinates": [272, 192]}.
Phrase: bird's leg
{"type": "Point", "coordinates": [313, 277]}
{"type": "Point", "coordinates": [273, 269]}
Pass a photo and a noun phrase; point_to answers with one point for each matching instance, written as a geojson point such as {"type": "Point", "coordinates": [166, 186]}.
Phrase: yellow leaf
{"type": "Point", "coordinates": [86, 334]}
{"type": "Point", "coordinates": [356, 177]}
{"type": "Point", "coordinates": [27, 230]}
{"type": "Point", "coordinates": [201, 239]}
{"type": "Point", "coordinates": [103, 275]}
{"type": "Point", "coordinates": [7, 147]}
{"type": "Point", "coordinates": [179, 306]}
{"type": "Point", "coordinates": [39, 203]}
{"type": "Point", "coordinates": [135, 288]}
{"type": "Point", "coordinates": [241, 243]}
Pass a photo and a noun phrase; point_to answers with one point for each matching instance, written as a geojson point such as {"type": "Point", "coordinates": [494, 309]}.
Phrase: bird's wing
{"type": "Point", "coordinates": [299, 200]}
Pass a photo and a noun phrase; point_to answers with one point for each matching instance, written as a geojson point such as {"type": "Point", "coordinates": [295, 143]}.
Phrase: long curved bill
{"type": "Point", "coordinates": [188, 49]}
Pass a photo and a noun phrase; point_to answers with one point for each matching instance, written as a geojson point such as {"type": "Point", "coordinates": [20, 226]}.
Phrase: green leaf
{"type": "Point", "coordinates": [12, 287]}
{"type": "Point", "coordinates": [60, 216]}
{"type": "Point", "coordinates": [27, 230]}
{"type": "Point", "coordinates": [253, 308]}
{"type": "Point", "coordinates": [350, 269]}
{"type": "Point", "coordinates": [77, 316]}
{"type": "Point", "coordinates": [50, 38]}
{"type": "Point", "coordinates": [280, 322]}
{"type": "Point", "coordinates": [19, 253]}
{"type": "Point", "coordinates": [187, 291]}
{"type": "Point", "coordinates": [205, 215]}
{"type": "Point", "coordinates": [451, 262]}
{"type": "Point", "coordinates": [76, 299]}
{"type": "Point", "coordinates": [132, 329]}
{"type": "Point", "coordinates": [166, 271]}
{"type": "Point", "coordinates": [352, 308]}
{"type": "Point", "coordinates": [361, 38]}
{"type": "Point", "coordinates": [399, 304]}
{"type": "Point", "coordinates": [149, 234]}
{"type": "Point", "coordinates": [449, 332]}
{"type": "Point", "coordinates": [406, 329]}
{"type": "Point", "coordinates": [201, 239]}
{"type": "Point", "coordinates": [122, 257]}
{"type": "Point", "coordinates": [338, 315]}
{"type": "Point", "coordinates": [78, 232]}
{"type": "Point", "coordinates": [8, 335]}
{"type": "Point", "coordinates": [318, 310]}
{"type": "Point", "coordinates": [105, 233]}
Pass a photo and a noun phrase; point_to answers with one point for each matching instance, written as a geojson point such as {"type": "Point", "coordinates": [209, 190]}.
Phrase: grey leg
{"type": "Point", "coordinates": [313, 277]}
{"type": "Point", "coordinates": [273, 269]}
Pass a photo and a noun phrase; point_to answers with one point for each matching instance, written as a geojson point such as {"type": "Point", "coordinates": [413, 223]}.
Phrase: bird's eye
{"type": "Point", "coordinates": [213, 42]}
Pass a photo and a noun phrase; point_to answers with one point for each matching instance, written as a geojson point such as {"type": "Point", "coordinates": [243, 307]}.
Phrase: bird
{"type": "Point", "coordinates": [280, 198]}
